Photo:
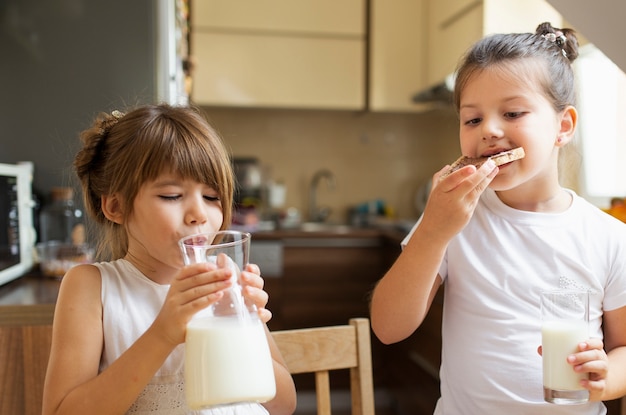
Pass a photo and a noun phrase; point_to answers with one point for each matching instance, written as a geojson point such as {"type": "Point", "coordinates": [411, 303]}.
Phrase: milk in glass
{"type": "Point", "coordinates": [227, 362]}
{"type": "Point", "coordinates": [560, 339]}
{"type": "Point", "coordinates": [565, 320]}
{"type": "Point", "coordinates": [227, 356]}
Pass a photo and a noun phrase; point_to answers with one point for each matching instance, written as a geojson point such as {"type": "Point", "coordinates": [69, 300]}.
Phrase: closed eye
{"type": "Point", "coordinates": [170, 197]}
{"type": "Point", "coordinates": [473, 121]}
{"type": "Point", "coordinates": [212, 198]}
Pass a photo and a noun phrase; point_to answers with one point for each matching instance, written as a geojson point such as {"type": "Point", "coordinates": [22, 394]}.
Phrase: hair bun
{"type": "Point", "coordinates": [565, 39]}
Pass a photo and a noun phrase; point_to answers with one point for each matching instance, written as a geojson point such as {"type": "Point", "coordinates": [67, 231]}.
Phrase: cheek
{"type": "Point", "coordinates": [468, 145]}
{"type": "Point", "coordinates": [215, 218]}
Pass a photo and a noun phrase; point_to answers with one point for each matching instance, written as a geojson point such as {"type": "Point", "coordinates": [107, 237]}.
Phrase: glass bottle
{"type": "Point", "coordinates": [61, 220]}
{"type": "Point", "coordinates": [227, 357]}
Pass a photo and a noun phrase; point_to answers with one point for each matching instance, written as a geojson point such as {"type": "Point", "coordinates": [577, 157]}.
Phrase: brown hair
{"type": "Point", "coordinates": [121, 152]}
{"type": "Point", "coordinates": [555, 48]}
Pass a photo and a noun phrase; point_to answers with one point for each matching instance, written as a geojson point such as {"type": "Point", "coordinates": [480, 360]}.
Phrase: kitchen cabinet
{"type": "Point", "coordinates": [325, 280]}
{"type": "Point", "coordinates": [24, 355]}
{"type": "Point", "coordinates": [454, 25]}
{"type": "Point", "coordinates": [26, 313]}
{"type": "Point", "coordinates": [279, 53]}
{"type": "Point", "coordinates": [397, 49]}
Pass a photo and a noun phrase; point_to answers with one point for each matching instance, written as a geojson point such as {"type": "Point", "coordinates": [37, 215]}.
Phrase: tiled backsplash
{"type": "Point", "coordinates": [372, 155]}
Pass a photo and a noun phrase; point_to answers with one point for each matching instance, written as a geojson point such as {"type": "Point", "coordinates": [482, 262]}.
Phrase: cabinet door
{"type": "Point", "coordinates": [397, 54]}
{"type": "Point", "coordinates": [449, 39]}
{"type": "Point", "coordinates": [271, 71]}
{"type": "Point", "coordinates": [279, 53]}
{"type": "Point", "coordinates": [24, 352]}
{"type": "Point", "coordinates": [450, 34]}
{"type": "Point", "coordinates": [327, 285]}
{"type": "Point", "coordinates": [443, 12]}
{"type": "Point", "coordinates": [345, 17]}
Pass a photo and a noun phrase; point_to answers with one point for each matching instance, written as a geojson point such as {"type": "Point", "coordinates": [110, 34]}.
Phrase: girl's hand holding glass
{"type": "Point", "coordinates": [592, 358]}
{"type": "Point", "coordinates": [195, 287]}
{"type": "Point", "coordinates": [253, 285]}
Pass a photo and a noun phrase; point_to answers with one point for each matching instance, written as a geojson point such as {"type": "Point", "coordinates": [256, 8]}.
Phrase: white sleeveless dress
{"type": "Point", "coordinates": [131, 302]}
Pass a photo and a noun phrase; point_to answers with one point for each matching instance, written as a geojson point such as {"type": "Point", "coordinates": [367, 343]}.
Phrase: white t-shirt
{"type": "Point", "coordinates": [493, 272]}
{"type": "Point", "coordinates": [130, 303]}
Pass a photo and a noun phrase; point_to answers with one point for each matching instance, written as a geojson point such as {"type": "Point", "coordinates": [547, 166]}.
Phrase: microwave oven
{"type": "Point", "coordinates": [17, 235]}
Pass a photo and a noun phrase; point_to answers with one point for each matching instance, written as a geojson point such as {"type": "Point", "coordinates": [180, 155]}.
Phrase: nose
{"type": "Point", "coordinates": [196, 212]}
{"type": "Point", "coordinates": [492, 128]}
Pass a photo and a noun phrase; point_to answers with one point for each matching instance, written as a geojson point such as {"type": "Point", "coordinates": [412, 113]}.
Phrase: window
{"type": "Point", "coordinates": [602, 126]}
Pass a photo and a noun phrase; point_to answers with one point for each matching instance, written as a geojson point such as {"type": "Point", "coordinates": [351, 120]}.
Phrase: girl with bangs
{"type": "Point", "coordinates": [149, 178]}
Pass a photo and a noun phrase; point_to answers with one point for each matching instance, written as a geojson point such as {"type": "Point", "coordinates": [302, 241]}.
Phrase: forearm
{"type": "Point", "coordinates": [284, 403]}
{"type": "Point", "coordinates": [402, 297]}
{"type": "Point", "coordinates": [115, 389]}
{"type": "Point", "coordinates": [616, 377]}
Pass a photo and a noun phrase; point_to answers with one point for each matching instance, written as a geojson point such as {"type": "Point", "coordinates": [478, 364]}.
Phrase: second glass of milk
{"type": "Point", "coordinates": [565, 321]}
{"type": "Point", "coordinates": [227, 357]}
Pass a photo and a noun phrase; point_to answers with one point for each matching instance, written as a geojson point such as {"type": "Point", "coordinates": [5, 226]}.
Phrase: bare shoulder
{"type": "Point", "coordinates": [81, 284]}
{"type": "Point", "coordinates": [79, 303]}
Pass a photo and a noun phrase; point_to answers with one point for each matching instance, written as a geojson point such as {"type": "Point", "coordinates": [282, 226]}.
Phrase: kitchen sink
{"type": "Point", "coordinates": [325, 227]}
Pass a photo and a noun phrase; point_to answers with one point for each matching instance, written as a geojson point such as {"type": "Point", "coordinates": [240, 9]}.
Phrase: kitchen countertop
{"type": "Point", "coordinates": [31, 299]}
{"type": "Point", "coordinates": [28, 300]}
{"type": "Point", "coordinates": [340, 232]}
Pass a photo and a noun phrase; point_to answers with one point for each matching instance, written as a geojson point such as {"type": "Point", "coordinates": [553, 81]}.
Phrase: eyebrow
{"type": "Point", "coordinates": [168, 181]}
{"type": "Point", "coordinates": [506, 100]}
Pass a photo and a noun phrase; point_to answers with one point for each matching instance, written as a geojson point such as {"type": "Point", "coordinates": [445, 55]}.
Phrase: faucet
{"type": "Point", "coordinates": [316, 213]}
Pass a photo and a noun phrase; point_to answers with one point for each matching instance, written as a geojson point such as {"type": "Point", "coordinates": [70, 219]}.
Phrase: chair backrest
{"type": "Point", "coordinates": [319, 350]}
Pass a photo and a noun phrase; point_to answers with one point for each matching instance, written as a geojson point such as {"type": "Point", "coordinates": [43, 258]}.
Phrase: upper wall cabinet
{"type": "Point", "coordinates": [279, 53]}
{"type": "Point", "coordinates": [397, 54]}
{"type": "Point", "coordinates": [454, 25]}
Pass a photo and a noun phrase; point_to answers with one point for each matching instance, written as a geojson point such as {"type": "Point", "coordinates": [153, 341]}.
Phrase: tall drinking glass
{"type": "Point", "coordinates": [565, 321]}
{"type": "Point", "coordinates": [227, 357]}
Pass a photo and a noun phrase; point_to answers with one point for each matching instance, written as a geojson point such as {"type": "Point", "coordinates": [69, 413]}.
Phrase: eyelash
{"type": "Point", "coordinates": [511, 114]}
{"type": "Point", "coordinates": [176, 197]}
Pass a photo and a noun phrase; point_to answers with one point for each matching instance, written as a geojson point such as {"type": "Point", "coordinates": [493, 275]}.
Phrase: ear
{"type": "Point", "coordinates": [569, 118]}
{"type": "Point", "coordinates": [112, 208]}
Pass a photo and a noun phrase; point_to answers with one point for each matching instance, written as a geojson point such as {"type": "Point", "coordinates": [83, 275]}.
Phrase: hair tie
{"type": "Point", "coordinates": [558, 38]}
{"type": "Point", "coordinates": [117, 114]}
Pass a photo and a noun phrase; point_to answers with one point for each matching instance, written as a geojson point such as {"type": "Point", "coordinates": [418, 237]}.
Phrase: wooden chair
{"type": "Point", "coordinates": [322, 349]}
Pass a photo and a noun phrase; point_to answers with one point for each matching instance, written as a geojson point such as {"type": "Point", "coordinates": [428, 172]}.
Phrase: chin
{"type": "Point", "coordinates": [501, 184]}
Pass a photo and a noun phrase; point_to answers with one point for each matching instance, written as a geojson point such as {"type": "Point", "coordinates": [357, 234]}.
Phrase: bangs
{"type": "Point", "coordinates": [185, 150]}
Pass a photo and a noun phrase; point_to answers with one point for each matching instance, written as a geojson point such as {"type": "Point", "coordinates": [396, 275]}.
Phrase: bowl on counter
{"type": "Point", "coordinates": [56, 258]}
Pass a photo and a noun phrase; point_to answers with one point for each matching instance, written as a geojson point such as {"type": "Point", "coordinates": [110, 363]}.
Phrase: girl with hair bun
{"type": "Point", "coordinates": [495, 237]}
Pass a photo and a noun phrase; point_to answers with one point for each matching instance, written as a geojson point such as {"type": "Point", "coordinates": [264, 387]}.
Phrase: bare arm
{"type": "Point", "coordinates": [285, 401]}
{"type": "Point", "coordinates": [403, 296]}
{"type": "Point", "coordinates": [73, 384]}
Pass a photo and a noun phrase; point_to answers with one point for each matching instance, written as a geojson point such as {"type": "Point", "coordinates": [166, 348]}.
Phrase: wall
{"type": "Point", "coordinates": [373, 155]}
{"type": "Point", "coordinates": [601, 21]}
{"type": "Point", "coordinates": [62, 62]}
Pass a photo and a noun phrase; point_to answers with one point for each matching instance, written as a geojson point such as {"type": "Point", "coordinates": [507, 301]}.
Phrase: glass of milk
{"type": "Point", "coordinates": [227, 357]}
{"type": "Point", "coordinates": [565, 320]}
